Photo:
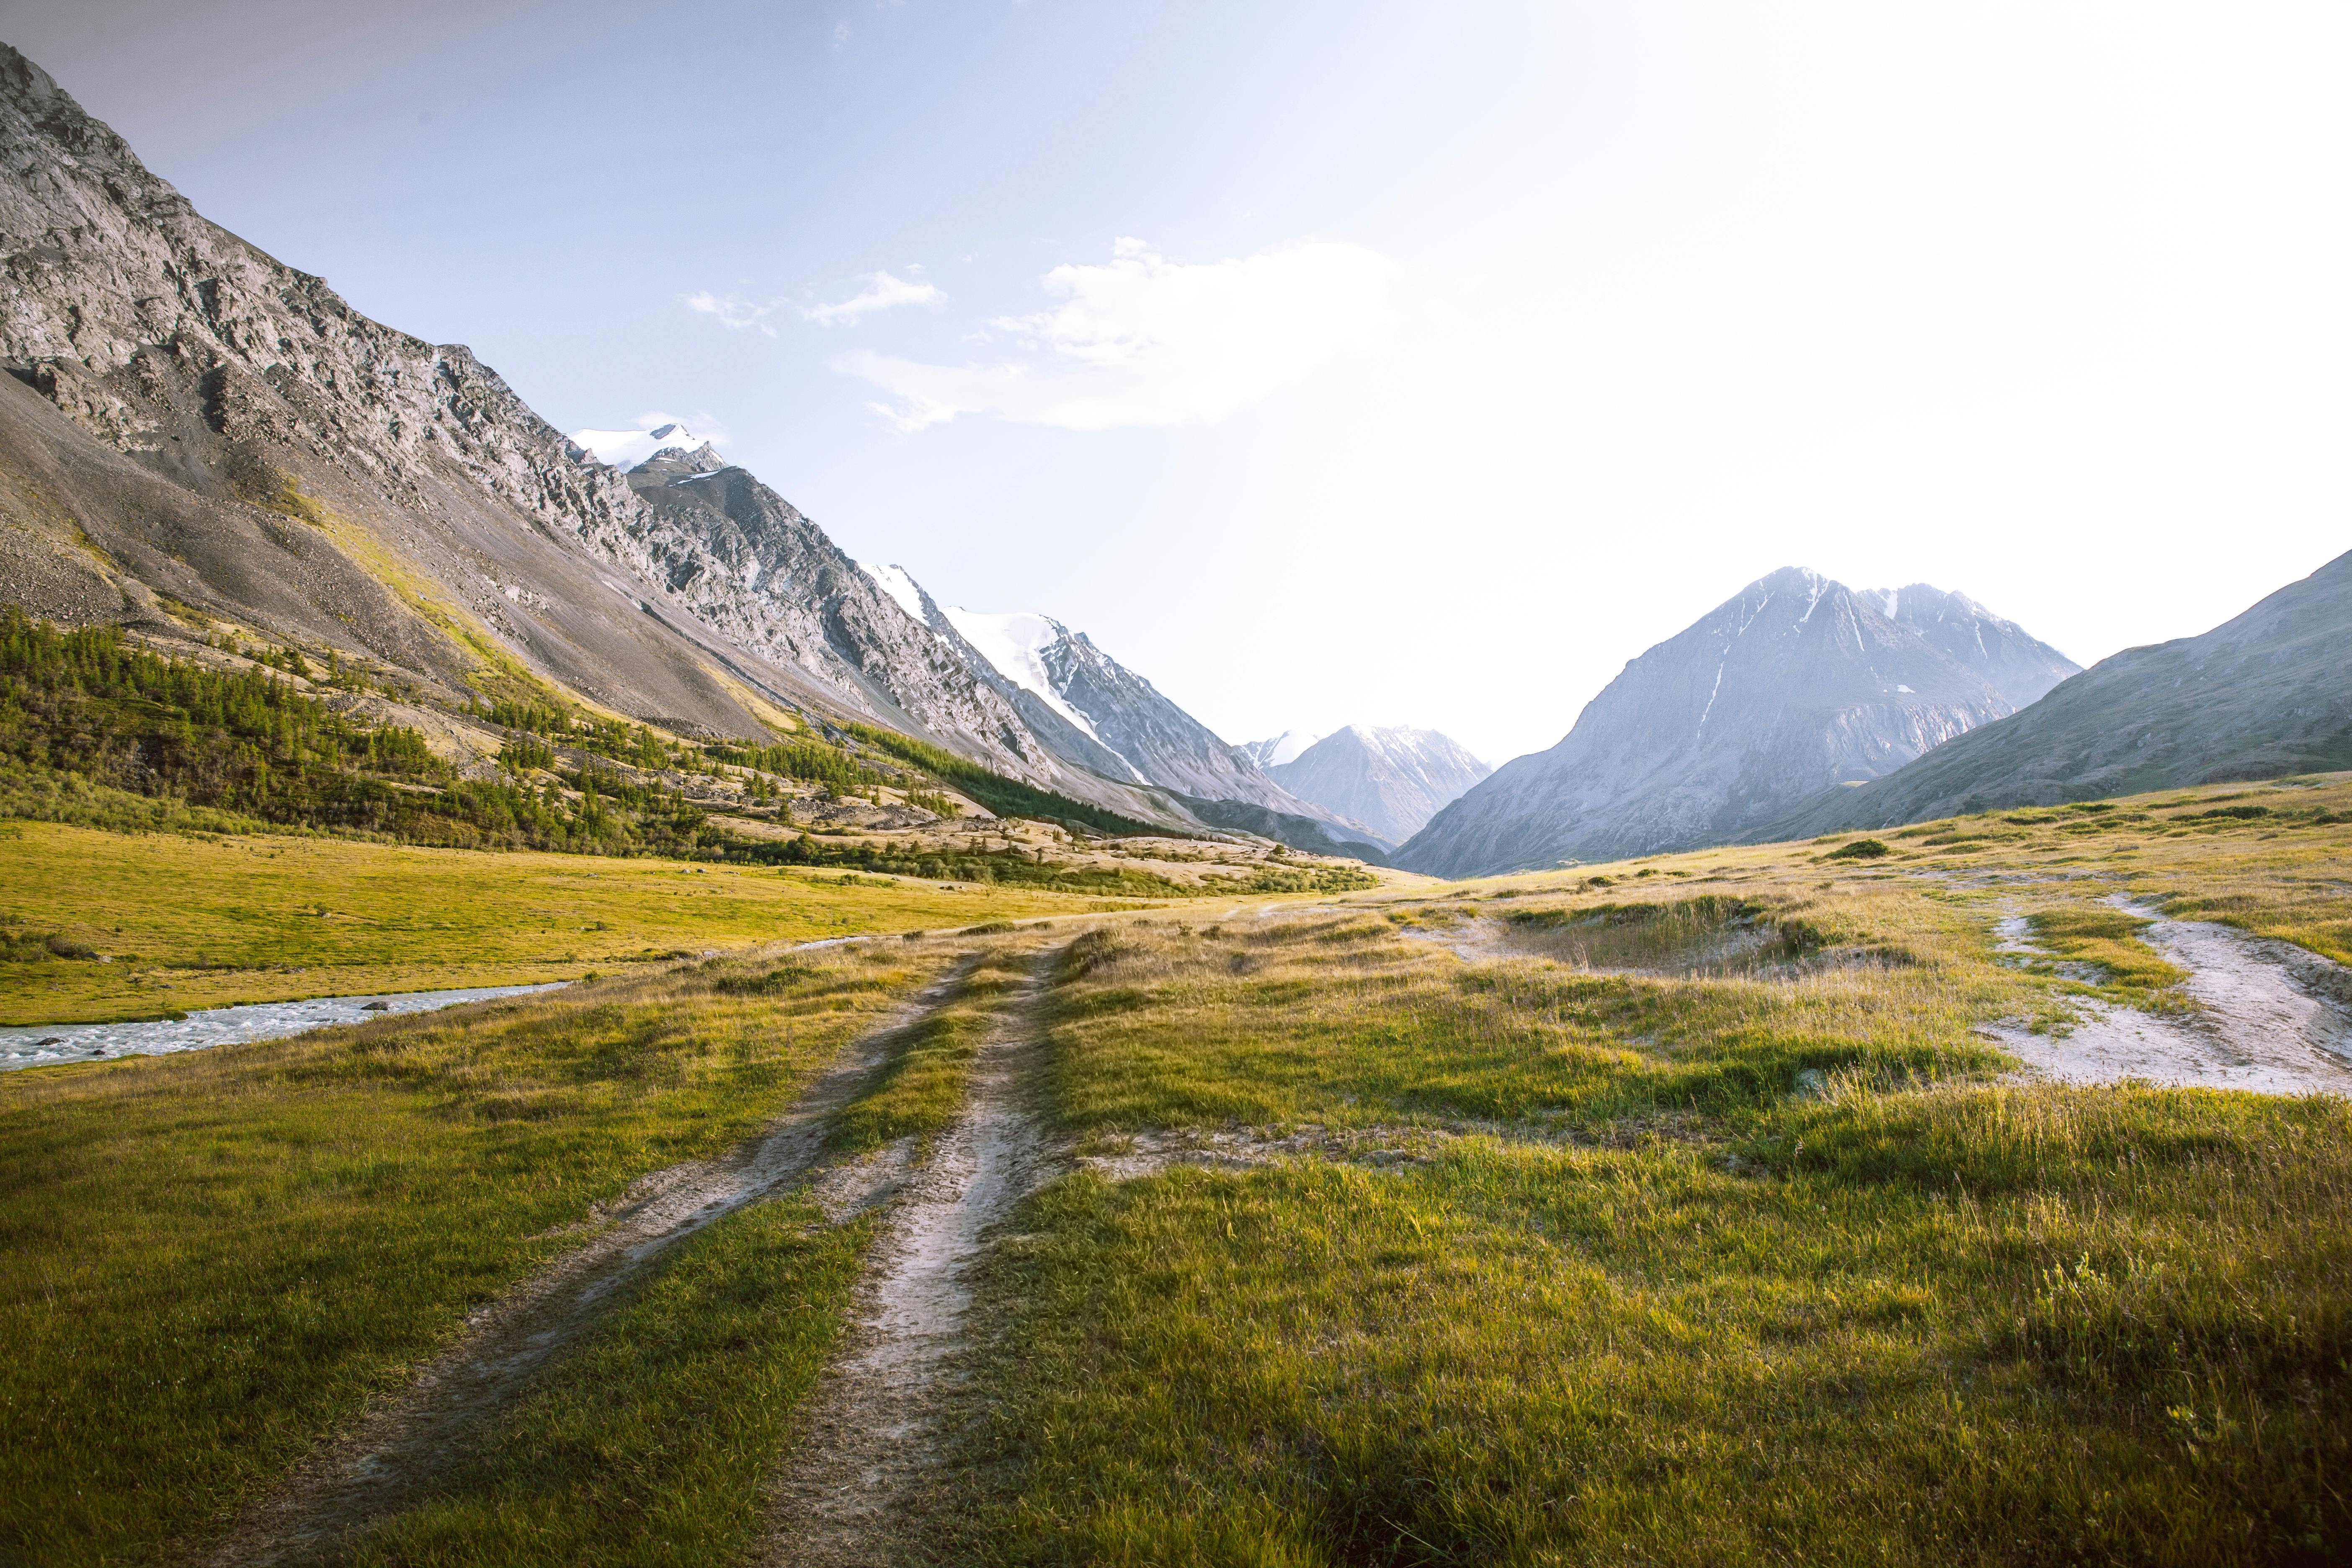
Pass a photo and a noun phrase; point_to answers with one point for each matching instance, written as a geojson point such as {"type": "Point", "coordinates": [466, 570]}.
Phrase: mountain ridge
{"type": "Point", "coordinates": [1794, 685]}
{"type": "Point", "coordinates": [193, 432]}
{"type": "Point", "coordinates": [1392, 780]}
{"type": "Point", "coordinates": [2264, 694]}
{"type": "Point", "coordinates": [1061, 681]}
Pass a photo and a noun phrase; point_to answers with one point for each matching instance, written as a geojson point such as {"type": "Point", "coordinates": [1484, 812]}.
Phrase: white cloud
{"type": "Point", "coordinates": [1144, 341]}
{"type": "Point", "coordinates": [733, 310]}
{"type": "Point", "coordinates": [882, 293]}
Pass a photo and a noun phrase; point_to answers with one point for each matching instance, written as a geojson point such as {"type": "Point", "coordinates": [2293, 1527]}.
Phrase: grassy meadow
{"type": "Point", "coordinates": [193, 921]}
{"type": "Point", "coordinates": [649, 1443]}
{"type": "Point", "coordinates": [1667, 1212]}
{"type": "Point", "coordinates": [1672, 1213]}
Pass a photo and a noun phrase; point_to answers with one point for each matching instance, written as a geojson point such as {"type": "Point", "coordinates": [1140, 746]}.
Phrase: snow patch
{"type": "Point", "coordinates": [626, 449]}
{"type": "Point", "coordinates": [1284, 748]}
{"type": "Point", "coordinates": [896, 582]}
{"type": "Point", "coordinates": [1015, 644]}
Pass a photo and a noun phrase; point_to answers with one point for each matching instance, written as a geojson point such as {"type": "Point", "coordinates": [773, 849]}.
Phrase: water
{"type": "Point", "coordinates": [40, 1043]}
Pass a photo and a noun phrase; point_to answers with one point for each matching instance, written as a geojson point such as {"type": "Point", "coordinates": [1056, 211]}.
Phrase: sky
{"type": "Point", "coordinates": [1352, 361]}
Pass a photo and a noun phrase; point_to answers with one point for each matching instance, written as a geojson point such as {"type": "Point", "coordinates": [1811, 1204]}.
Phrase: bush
{"type": "Point", "coordinates": [1860, 849]}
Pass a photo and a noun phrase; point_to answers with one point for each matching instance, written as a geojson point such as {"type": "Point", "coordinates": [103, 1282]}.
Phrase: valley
{"type": "Point", "coordinates": [1727, 1142]}
{"type": "Point", "coordinates": [1873, 1091]}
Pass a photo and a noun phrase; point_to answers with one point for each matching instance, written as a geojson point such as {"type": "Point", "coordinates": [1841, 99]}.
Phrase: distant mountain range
{"type": "Point", "coordinates": [1283, 748]}
{"type": "Point", "coordinates": [1795, 684]}
{"type": "Point", "coordinates": [2264, 695]}
{"type": "Point", "coordinates": [1391, 780]}
{"type": "Point", "coordinates": [1103, 714]}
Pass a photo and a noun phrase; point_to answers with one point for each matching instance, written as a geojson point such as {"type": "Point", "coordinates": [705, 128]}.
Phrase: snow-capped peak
{"type": "Point", "coordinates": [896, 582]}
{"type": "Point", "coordinates": [626, 450]}
{"type": "Point", "coordinates": [1283, 748]}
{"type": "Point", "coordinates": [1015, 644]}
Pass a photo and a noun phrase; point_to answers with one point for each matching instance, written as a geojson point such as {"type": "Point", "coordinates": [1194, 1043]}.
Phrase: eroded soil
{"type": "Point", "coordinates": [2269, 1016]}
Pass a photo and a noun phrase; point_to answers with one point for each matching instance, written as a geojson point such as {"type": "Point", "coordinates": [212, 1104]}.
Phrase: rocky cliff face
{"type": "Point", "coordinates": [1119, 709]}
{"type": "Point", "coordinates": [1795, 684]}
{"type": "Point", "coordinates": [2261, 696]}
{"type": "Point", "coordinates": [748, 565]}
{"type": "Point", "coordinates": [229, 433]}
{"type": "Point", "coordinates": [1391, 780]}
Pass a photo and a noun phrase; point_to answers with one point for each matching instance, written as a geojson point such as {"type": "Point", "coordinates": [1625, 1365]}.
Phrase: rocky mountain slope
{"type": "Point", "coordinates": [194, 436]}
{"type": "Point", "coordinates": [2012, 661]}
{"type": "Point", "coordinates": [2261, 696]}
{"type": "Point", "coordinates": [1391, 780]}
{"type": "Point", "coordinates": [1794, 685]}
{"type": "Point", "coordinates": [193, 423]}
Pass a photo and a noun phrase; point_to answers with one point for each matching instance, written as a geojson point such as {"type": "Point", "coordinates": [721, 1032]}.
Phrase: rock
{"type": "Point", "coordinates": [376, 1006]}
{"type": "Point", "coordinates": [2260, 696]}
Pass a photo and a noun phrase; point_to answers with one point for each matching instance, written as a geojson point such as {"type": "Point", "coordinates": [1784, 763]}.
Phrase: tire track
{"type": "Point", "coordinates": [401, 1452]}
{"type": "Point", "coordinates": [874, 1431]}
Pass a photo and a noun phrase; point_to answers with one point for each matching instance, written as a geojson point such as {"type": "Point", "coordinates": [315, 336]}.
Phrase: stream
{"type": "Point", "coordinates": [39, 1045]}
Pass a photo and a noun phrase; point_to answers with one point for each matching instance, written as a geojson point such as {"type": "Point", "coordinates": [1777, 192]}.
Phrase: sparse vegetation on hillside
{"type": "Point", "coordinates": [1005, 796]}
{"type": "Point", "coordinates": [93, 727]}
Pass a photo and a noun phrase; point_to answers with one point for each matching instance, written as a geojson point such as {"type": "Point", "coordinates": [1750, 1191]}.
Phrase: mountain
{"type": "Point", "coordinates": [2261, 696]}
{"type": "Point", "coordinates": [1391, 781]}
{"type": "Point", "coordinates": [194, 437]}
{"type": "Point", "coordinates": [624, 449]}
{"type": "Point", "coordinates": [194, 433]}
{"type": "Point", "coordinates": [1794, 685]}
{"type": "Point", "coordinates": [2011, 662]}
{"type": "Point", "coordinates": [1097, 709]}
{"type": "Point", "coordinates": [1283, 748]}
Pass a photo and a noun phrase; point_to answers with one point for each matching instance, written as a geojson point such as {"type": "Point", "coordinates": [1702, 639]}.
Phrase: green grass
{"type": "Point", "coordinates": [1681, 1266]}
{"type": "Point", "coordinates": [648, 1443]}
{"type": "Point", "coordinates": [2108, 1331]}
{"type": "Point", "coordinates": [214, 1258]}
{"type": "Point", "coordinates": [1338, 1020]}
{"type": "Point", "coordinates": [919, 1091]}
{"type": "Point", "coordinates": [2110, 938]}
{"type": "Point", "coordinates": [1716, 1237]}
{"type": "Point", "coordinates": [201, 922]}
